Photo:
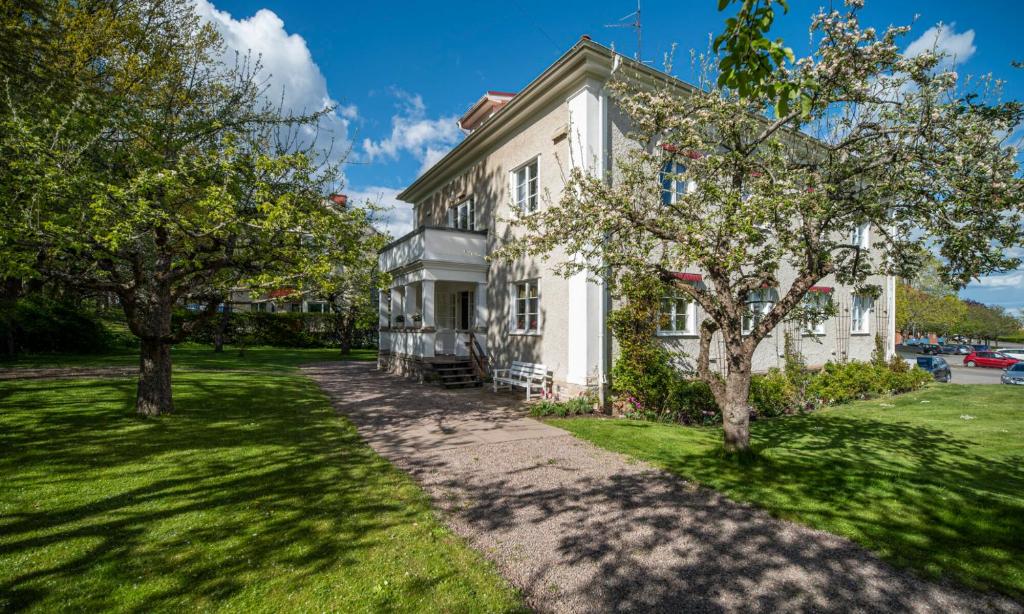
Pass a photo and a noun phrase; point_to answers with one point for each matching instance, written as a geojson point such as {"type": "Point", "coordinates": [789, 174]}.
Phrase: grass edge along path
{"type": "Point", "coordinates": [932, 481]}
{"type": "Point", "coordinates": [254, 496]}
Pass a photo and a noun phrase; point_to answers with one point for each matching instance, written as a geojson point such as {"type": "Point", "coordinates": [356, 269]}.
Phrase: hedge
{"type": "Point", "coordinates": [38, 324]}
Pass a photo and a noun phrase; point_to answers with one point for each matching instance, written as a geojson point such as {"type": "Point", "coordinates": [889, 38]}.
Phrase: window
{"type": "Point", "coordinates": [759, 303]}
{"type": "Point", "coordinates": [316, 307]}
{"type": "Point", "coordinates": [462, 216]}
{"type": "Point", "coordinates": [524, 185]}
{"type": "Point", "coordinates": [816, 303]}
{"type": "Point", "coordinates": [672, 183]}
{"type": "Point", "coordinates": [860, 236]}
{"type": "Point", "coordinates": [677, 315]}
{"type": "Point", "coordinates": [527, 307]}
{"type": "Point", "coordinates": [862, 306]}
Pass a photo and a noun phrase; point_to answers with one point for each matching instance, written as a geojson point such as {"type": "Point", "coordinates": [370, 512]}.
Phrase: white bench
{"type": "Point", "coordinates": [522, 375]}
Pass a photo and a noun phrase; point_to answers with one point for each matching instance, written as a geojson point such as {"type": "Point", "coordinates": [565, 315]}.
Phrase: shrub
{"type": "Point", "coordinates": [841, 383]}
{"type": "Point", "coordinates": [772, 394]}
{"type": "Point", "coordinates": [573, 407]}
{"type": "Point", "coordinates": [38, 324]}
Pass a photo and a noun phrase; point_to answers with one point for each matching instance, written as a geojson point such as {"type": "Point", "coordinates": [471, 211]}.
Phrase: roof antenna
{"type": "Point", "coordinates": [637, 25]}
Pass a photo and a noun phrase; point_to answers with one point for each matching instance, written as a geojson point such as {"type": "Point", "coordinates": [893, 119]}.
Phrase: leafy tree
{"type": "Point", "coordinates": [918, 311]}
{"type": "Point", "coordinates": [987, 322]}
{"type": "Point", "coordinates": [142, 166]}
{"type": "Point", "coordinates": [733, 186]}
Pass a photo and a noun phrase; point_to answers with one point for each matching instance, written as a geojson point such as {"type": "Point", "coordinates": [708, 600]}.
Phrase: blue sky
{"type": "Point", "coordinates": [401, 73]}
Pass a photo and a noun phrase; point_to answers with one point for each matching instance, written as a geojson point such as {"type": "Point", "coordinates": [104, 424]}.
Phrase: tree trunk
{"type": "Point", "coordinates": [736, 412]}
{"type": "Point", "coordinates": [222, 327]}
{"type": "Point", "coordinates": [154, 391]}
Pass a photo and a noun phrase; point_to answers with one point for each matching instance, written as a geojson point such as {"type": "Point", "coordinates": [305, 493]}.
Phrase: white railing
{"type": "Point", "coordinates": [435, 244]}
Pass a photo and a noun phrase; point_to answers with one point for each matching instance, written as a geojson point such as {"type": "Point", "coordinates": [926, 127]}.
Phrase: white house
{"type": "Point", "coordinates": [448, 300]}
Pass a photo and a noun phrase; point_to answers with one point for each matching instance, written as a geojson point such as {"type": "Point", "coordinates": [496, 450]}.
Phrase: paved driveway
{"type": "Point", "coordinates": [579, 529]}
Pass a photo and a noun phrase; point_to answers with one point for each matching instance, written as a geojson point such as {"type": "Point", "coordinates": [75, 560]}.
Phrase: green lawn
{"type": "Point", "coordinates": [194, 356]}
{"type": "Point", "coordinates": [932, 480]}
{"type": "Point", "coordinates": [254, 496]}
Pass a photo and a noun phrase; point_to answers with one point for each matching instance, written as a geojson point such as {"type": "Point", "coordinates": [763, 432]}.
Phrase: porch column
{"type": "Point", "coordinates": [480, 317]}
{"type": "Point", "coordinates": [428, 303]}
{"type": "Point", "coordinates": [411, 305]}
{"type": "Point", "coordinates": [396, 305]}
{"type": "Point", "coordinates": [383, 321]}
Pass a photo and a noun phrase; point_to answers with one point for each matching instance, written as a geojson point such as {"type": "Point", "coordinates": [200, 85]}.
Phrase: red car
{"type": "Point", "coordinates": [989, 359]}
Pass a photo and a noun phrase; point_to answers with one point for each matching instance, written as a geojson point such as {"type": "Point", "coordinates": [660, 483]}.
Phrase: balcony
{"type": "Point", "coordinates": [435, 245]}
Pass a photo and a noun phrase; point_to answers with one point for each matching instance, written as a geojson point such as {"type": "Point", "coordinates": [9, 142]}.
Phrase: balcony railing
{"type": "Point", "coordinates": [437, 244]}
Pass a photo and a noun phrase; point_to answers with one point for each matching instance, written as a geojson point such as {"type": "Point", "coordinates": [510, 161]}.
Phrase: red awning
{"type": "Point", "coordinates": [694, 277]}
{"type": "Point", "coordinates": [825, 289]}
{"type": "Point", "coordinates": [689, 153]}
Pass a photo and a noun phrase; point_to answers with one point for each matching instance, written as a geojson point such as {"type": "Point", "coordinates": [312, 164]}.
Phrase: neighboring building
{"type": "Point", "coordinates": [444, 289]}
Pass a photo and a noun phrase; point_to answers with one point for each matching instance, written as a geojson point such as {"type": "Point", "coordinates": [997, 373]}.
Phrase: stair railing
{"type": "Point", "coordinates": [477, 357]}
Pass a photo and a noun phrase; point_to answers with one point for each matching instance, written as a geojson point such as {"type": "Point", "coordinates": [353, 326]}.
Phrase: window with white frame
{"type": "Point", "coordinates": [526, 307]}
{"type": "Point", "coordinates": [860, 320]}
{"type": "Point", "coordinates": [677, 316]}
{"type": "Point", "coordinates": [672, 183]}
{"type": "Point", "coordinates": [816, 304]}
{"type": "Point", "coordinates": [524, 187]}
{"type": "Point", "coordinates": [759, 303]}
{"type": "Point", "coordinates": [462, 216]}
{"type": "Point", "coordinates": [860, 236]}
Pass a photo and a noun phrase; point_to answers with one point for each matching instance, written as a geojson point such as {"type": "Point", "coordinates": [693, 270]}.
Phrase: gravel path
{"type": "Point", "coordinates": [580, 529]}
{"type": "Point", "coordinates": [65, 372]}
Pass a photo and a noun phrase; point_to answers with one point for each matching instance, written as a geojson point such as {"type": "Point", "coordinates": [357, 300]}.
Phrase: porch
{"type": "Point", "coordinates": [437, 303]}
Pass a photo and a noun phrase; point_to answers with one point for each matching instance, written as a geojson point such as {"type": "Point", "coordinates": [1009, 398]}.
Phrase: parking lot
{"type": "Point", "coordinates": [967, 375]}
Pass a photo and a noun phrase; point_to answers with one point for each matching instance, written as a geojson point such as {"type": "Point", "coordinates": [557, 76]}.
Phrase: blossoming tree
{"type": "Point", "coordinates": [134, 162]}
{"type": "Point", "coordinates": [763, 178]}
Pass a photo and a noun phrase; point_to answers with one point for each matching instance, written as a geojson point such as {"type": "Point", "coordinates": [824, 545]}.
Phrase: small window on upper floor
{"type": "Point", "coordinates": [860, 236]}
{"type": "Point", "coordinates": [672, 183]}
{"type": "Point", "coordinates": [524, 187]}
{"type": "Point", "coordinates": [462, 216]}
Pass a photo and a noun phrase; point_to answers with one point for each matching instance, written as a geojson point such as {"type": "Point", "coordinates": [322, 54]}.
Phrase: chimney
{"type": "Point", "coordinates": [484, 109]}
{"type": "Point", "coordinates": [339, 199]}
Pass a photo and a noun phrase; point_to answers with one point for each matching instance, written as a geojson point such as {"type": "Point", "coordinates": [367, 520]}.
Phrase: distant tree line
{"type": "Point", "coordinates": [919, 312]}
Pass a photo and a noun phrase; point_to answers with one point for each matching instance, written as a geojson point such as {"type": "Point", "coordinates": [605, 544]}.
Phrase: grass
{"type": "Point", "coordinates": [196, 357]}
{"type": "Point", "coordinates": [932, 480]}
{"type": "Point", "coordinates": [254, 496]}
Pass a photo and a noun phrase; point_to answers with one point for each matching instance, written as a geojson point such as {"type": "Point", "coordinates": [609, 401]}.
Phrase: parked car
{"type": "Point", "coordinates": [929, 348]}
{"type": "Point", "coordinates": [937, 366]}
{"type": "Point", "coordinates": [989, 359]}
{"type": "Point", "coordinates": [957, 349]}
{"type": "Point", "coordinates": [1014, 374]}
{"type": "Point", "coordinates": [1017, 353]}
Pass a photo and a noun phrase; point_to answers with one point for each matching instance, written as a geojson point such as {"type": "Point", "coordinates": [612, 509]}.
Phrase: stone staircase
{"type": "Point", "coordinates": [454, 373]}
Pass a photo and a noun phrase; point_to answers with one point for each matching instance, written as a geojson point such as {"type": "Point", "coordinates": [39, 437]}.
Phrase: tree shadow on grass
{"type": "Point", "coordinates": [579, 529]}
{"type": "Point", "coordinates": [253, 491]}
{"type": "Point", "coordinates": [916, 495]}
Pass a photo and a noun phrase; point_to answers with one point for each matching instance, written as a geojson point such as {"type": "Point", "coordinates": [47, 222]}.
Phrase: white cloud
{"type": "Point", "coordinates": [414, 133]}
{"type": "Point", "coordinates": [1014, 280]}
{"type": "Point", "coordinates": [397, 217]}
{"type": "Point", "coordinates": [294, 79]}
{"type": "Point", "coordinates": [944, 39]}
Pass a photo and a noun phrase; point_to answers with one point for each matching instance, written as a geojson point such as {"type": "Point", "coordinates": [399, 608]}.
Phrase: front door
{"type": "Point", "coordinates": [465, 311]}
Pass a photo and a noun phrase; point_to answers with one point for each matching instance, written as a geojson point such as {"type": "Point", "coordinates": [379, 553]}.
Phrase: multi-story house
{"type": "Point", "coordinates": [446, 291]}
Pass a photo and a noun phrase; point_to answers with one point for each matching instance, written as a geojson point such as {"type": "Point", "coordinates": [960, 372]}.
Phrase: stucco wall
{"type": "Point", "coordinates": [488, 180]}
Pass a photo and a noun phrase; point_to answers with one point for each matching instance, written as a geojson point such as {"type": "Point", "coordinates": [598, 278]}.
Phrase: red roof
{"type": "Point", "coordinates": [281, 293]}
{"type": "Point", "coordinates": [694, 277]}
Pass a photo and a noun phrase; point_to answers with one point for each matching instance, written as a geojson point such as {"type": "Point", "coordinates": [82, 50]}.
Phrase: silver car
{"type": "Point", "coordinates": [1014, 374]}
